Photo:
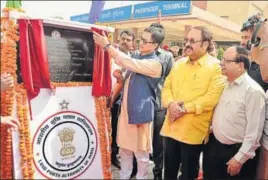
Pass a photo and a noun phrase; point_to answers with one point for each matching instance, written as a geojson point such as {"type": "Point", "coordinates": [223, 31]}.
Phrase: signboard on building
{"type": "Point", "coordinates": [167, 8]}
{"type": "Point", "coordinates": [83, 18]}
{"type": "Point", "coordinates": [116, 14]}
{"type": "Point", "coordinates": [109, 15]}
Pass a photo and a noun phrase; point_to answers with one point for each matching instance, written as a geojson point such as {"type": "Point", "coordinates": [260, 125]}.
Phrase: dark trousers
{"type": "Point", "coordinates": [158, 143]}
{"type": "Point", "coordinates": [176, 153]}
{"type": "Point", "coordinates": [115, 114]}
{"type": "Point", "coordinates": [215, 157]}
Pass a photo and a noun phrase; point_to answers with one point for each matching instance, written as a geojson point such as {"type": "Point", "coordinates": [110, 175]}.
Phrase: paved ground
{"type": "Point", "coordinates": [115, 172]}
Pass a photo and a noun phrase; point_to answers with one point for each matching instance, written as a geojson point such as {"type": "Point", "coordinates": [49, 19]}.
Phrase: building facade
{"type": "Point", "coordinates": [224, 18]}
{"type": "Point", "coordinates": [236, 11]}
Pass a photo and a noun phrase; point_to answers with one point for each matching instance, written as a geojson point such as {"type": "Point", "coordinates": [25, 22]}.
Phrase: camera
{"type": "Point", "coordinates": [253, 22]}
{"type": "Point", "coordinates": [254, 39]}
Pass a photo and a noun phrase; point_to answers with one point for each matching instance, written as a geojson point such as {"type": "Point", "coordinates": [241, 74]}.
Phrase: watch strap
{"type": "Point", "coordinates": [105, 48]}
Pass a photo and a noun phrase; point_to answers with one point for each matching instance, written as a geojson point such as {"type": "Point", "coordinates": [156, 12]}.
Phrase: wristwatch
{"type": "Point", "coordinates": [263, 46]}
{"type": "Point", "coordinates": [105, 48]}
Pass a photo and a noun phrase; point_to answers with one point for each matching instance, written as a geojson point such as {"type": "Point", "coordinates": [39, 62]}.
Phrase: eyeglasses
{"type": "Point", "coordinates": [191, 41]}
{"type": "Point", "coordinates": [228, 60]}
{"type": "Point", "coordinates": [144, 41]}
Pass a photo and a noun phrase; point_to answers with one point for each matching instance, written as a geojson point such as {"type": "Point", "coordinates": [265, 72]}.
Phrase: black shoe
{"type": "Point", "coordinates": [116, 163]}
{"type": "Point", "coordinates": [151, 157]}
{"type": "Point", "coordinates": [159, 177]}
{"type": "Point", "coordinates": [134, 171]}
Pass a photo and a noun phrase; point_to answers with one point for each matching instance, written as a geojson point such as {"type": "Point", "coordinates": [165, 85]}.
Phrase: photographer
{"type": "Point", "coordinates": [246, 35]}
{"type": "Point", "coordinates": [260, 53]}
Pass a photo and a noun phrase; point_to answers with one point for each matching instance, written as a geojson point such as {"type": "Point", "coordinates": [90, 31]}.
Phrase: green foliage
{"type": "Point", "coordinates": [13, 4]}
{"type": "Point", "coordinates": [220, 52]}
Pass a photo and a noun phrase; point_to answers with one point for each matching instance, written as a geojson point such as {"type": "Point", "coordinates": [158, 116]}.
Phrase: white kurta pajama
{"type": "Point", "coordinates": [134, 139]}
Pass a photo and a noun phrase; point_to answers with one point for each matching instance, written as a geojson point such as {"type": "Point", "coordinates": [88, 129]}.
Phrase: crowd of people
{"type": "Point", "coordinates": [172, 111]}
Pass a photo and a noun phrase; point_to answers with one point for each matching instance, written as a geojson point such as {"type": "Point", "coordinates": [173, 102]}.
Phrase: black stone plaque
{"type": "Point", "coordinates": [70, 54]}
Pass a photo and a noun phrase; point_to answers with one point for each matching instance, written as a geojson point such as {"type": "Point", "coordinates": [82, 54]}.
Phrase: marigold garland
{"type": "Point", "coordinates": [6, 154]}
{"type": "Point", "coordinates": [9, 32]}
{"type": "Point", "coordinates": [8, 9]}
{"type": "Point", "coordinates": [8, 65]}
{"type": "Point", "coordinates": [104, 125]}
{"type": "Point", "coordinates": [70, 84]}
{"type": "Point", "coordinates": [25, 136]}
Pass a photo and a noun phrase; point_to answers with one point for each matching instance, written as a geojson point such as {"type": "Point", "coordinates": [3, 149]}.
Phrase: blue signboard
{"type": "Point", "coordinates": [80, 18]}
{"type": "Point", "coordinates": [116, 14]}
{"type": "Point", "coordinates": [109, 15]}
{"type": "Point", "coordinates": [167, 8]}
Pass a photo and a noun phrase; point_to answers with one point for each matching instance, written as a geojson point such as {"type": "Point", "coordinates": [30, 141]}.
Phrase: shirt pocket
{"type": "Point", "coordinates": [235, 110]}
